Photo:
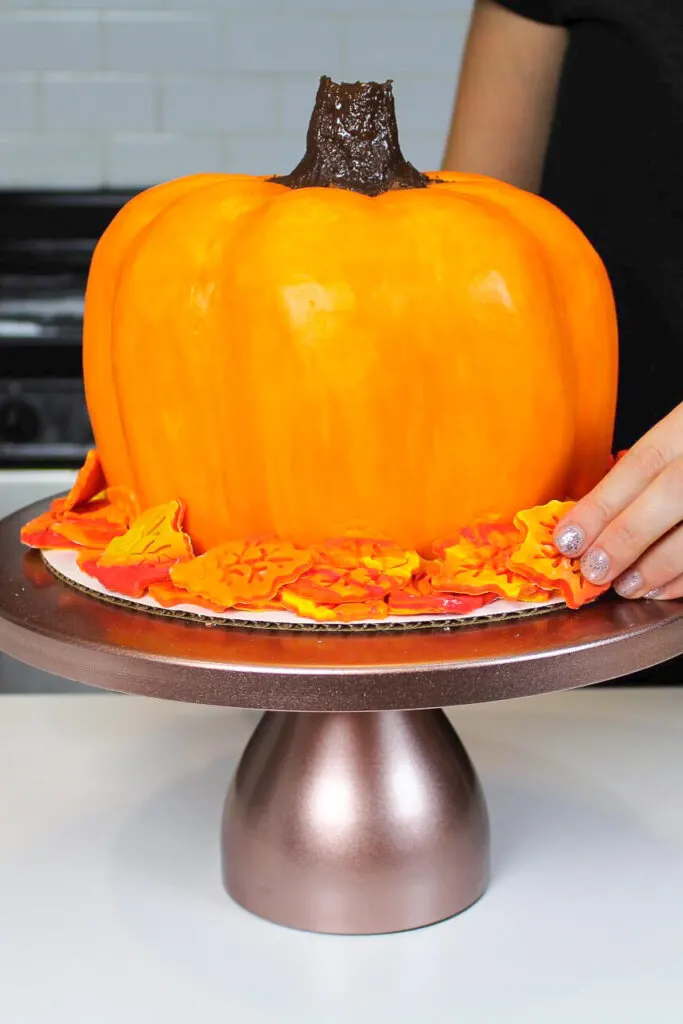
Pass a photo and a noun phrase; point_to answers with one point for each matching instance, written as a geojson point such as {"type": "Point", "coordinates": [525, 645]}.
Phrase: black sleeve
{"type": "Point", "coordinates": [550, 12]}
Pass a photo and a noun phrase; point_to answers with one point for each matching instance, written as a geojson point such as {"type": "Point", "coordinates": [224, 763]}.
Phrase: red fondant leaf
{"type": "Point", "coordinates": [402, 602]}
{"type": "Point", "coordinates": [130, 580]}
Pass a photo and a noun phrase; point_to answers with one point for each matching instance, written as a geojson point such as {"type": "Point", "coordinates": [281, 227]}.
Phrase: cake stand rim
{"type": "Point", "coordinates": [621, 637]}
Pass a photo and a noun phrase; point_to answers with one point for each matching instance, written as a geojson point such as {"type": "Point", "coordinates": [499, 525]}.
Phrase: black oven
{"type": "Point", "coordinates": [46, 242]}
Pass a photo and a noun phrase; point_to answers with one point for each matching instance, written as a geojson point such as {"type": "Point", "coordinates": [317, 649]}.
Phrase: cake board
{"type": "Point", "coordinates": [355, 808]}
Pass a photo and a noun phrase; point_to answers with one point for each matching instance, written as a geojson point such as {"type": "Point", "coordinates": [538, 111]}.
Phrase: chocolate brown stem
{"type": "Point", "coordinates": [352, 142]}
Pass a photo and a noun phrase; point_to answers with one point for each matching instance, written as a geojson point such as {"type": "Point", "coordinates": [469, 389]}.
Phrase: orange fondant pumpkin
{"type": "Point", "coordinates": [354, 342]}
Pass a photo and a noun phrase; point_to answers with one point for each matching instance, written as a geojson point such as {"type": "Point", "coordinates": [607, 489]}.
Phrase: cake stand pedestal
{"type": "Point", "coordinates": [355, 808]}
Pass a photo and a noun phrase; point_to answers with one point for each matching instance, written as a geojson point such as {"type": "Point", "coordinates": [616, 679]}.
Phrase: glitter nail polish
{"type": "Point", "coordinates": [595, 565]}
{"type": "Point", "coordinates": [629, 584]}
{"type": "Point", "coordinates": [652, 595]}
{"type": "Point", "coordinates": [569, 540]}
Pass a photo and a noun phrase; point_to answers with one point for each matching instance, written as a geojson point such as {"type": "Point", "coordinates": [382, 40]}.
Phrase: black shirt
{"type": "Point", "coordinates": [615, 166]}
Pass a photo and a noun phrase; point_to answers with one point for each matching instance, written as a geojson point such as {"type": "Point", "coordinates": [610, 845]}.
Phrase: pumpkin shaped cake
{"type": "Point", "coordinates": [355, 350]}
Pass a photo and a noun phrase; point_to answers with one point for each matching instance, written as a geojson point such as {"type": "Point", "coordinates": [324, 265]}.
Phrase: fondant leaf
{"type": "Point", "coordinates": [540, 562]}
{"type": "Point", "coordinates": [377, 556]}
{"type": "Point", "coordinates": [155, 536]}
{"type": "Point", "coordinates": [130, 580]}
{"type": "Point", "coordinates": [89, 482]}
{"type": "Point", "coordinates": [406, 602]}
{"type": "Point", "coordinates": [328, 586]}
{"type": "Point", "coordinates": [144, 554]}
{"type": "Point", "coordinates": [478, 562]}
{"type": "Point", "coordinates": [352, 612]}
{"type": "Point", "coordinates": [241, 572]}
{"type": "Point", "coordinates": [92, 524]}
{"type": "Point", "coordinates": [170, 596]}
{"type": "Point", "coordinates": [40, 533]}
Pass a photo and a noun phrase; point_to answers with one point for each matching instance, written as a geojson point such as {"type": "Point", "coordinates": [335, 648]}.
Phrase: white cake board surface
{"type": "Point", "coordinates": [64, 565]}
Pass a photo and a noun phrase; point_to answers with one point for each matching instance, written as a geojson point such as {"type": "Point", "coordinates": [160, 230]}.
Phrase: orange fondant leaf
{"type": "Point", "coordinates": [144, 554]}
{"type": "Point", "coordinates": [40, 533]}
{"type": "Point", "coordinates": [154, 537]}
{"type": "Point", "coordinates": [539, 560]}
{"type": "Point", "coordinates": [377, 556]}
{"type": "Point", "coordinates": [478, 562]}
{"type": "Point", "coordinates": [458, 577]}
{"type": "Point", "coordinates": [94, 523]}
{"type": "Point", "coordinates": [89, 482]}
{"type": "Point", "coordinates": [88, 533]}
{"type": "Point", "coordinates": [124, 502]}
{"type": "Point", "coordinates": [351, 612]}
{"type": "Point", "coordinates": [328, 586]}
{"type": "Point", "coordinates": [169, 596]}
{"type": "Point", "coordinates": [274, 605]}
{"type": "Point", "coordinates": [242, 572]}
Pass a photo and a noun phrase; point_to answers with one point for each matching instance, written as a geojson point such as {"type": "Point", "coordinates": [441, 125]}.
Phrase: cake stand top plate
{"type": "Point", "coordinates": [52, 626]}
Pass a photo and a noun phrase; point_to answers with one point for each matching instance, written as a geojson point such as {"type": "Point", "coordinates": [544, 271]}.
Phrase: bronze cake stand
{"type": "Point", "coordinates": [367, 816]}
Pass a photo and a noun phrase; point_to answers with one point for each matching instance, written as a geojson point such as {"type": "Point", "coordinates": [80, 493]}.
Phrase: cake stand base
{"type": "Point", "coordinates": [355, 808]}
{"type": "Point", "coordinates": [355, 823]}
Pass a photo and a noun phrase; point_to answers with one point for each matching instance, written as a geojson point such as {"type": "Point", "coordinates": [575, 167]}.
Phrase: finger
{"type": "Point", "coordinates": [670, 592]}
{"type": "Point", "coordinates": [656, 511]}
{"type": "Point", "coordinates": [659, 567]}
{"type": "Point", "coordinates": [622, 485]}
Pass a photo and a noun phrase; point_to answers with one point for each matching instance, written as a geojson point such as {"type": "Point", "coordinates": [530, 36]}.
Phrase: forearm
{"type": "Point", "coordinates": [506, 96]}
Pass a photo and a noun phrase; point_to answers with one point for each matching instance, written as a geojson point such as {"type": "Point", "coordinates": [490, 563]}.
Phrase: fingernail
{"type": "Point", "coordinates": [595, 565]}
{"type": "Point", "coordinates": [628, 584]}
{"type": "Point", "coordinates": [569, 540]}
{"type": "Point", "coordinates": [652, 595]}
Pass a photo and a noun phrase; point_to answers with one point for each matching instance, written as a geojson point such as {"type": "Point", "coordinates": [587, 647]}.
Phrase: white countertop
{"type": "Point", "coordinates": [111, 907]}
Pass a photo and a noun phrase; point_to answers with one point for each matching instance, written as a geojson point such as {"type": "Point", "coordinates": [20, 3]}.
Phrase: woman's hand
{"type": "Point", "coordinates": [628, 529]}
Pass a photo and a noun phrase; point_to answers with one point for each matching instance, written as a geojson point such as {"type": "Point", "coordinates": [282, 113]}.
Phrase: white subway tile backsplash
{"type": "Point", "coordinates": [424, 104]}
{"type": "Point", "coordinates": [261, 154]}
{"type": "Point", "coordinates": [232, 5]}
{"type": "Point", "coordinates": [155, 41]}
{"type": "Point", "coordinates": [296, 98]}
{"type": "Point", "coordinates": [226, 103]}
{"type": "Point", "coordinates": [18, 103]}
{"type": "Point", "coordinates": [99, 103]}
{"type": "Point", "coordinates": [386, 7]}
{"type": "Point", "coordinates": [49, 41]}
{"type": "Point", "coordinates": [103, 5]}
{"type": "Point", "coordinates": [277, 42]}
{"type": "Point", "coordinates": [383, 47]}
{"type": "Point", "coordinates": [50, 161]}
{"type": "Point", "coordinates": [149, 159]}
{"type": "Point", "coordinates": [423, 151]}
{"type": "Point", "coordinates": [129, 92]}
